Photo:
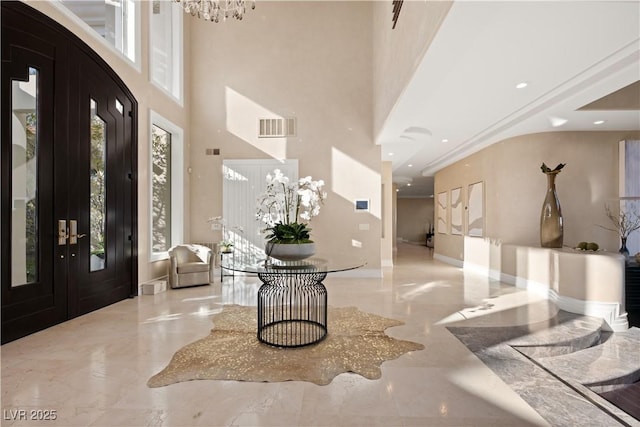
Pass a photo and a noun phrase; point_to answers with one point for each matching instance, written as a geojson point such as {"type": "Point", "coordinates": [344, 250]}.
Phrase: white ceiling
{"type": "Point", "coordinates": [464, 90]}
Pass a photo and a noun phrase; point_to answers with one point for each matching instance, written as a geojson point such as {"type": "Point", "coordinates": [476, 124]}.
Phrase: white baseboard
{"type": "Point", "coordinates": [448, 260]}
{"type": "Point", "coordinates": [610, 312]}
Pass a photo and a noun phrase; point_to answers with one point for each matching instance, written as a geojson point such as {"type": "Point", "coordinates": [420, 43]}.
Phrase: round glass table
{"type": "Point", "coordinates": [292, 300]}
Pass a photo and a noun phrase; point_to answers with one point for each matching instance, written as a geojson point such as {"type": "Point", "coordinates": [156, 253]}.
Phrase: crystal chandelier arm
{"type": "Point", "coordinates": [212, 10]}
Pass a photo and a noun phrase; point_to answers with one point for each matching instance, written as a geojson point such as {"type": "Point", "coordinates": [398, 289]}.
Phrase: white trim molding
{"type": "Point", "coordinates": [386, 262]}
{"type": "Point", "coordinates": [448, 260]}
{"type": "Point", "coordinates": [610, 312]}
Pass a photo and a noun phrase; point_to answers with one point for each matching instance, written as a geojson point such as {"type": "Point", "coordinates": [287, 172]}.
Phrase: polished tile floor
{"type": "Point", "coordinates": [92, 371]}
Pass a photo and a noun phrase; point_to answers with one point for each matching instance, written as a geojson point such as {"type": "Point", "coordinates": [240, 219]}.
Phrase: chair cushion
{"type": "Point", "coordinates": [193, 267]}
{"type": "Point", "coordinates": [186, 253]}
{"type": "Point", "coordinates": [192, 279]}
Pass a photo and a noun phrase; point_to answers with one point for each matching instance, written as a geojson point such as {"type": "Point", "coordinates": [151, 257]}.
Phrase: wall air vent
{"type": "Point", "coordinates": [277, 128]}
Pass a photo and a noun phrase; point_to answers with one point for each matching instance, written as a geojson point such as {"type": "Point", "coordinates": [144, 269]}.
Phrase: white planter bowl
{"type": "Point", "coordinates": [290, 251]}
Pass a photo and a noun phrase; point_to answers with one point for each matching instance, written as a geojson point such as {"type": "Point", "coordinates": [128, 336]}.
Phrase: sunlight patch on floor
{"type": "Point", "coordinates": [422, 289]}
{"type": "Point", "coordinates": [493, 305]}
{"type": "Point", "coordinates": [164, 318]}
{"type": "Point", "coordinates": [208, 297]}
{"type": "Point", "coordinates": [206, 312]}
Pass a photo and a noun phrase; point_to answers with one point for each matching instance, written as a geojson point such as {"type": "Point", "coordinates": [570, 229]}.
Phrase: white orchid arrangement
{"type": "Point", "coordinates": [285, 205]}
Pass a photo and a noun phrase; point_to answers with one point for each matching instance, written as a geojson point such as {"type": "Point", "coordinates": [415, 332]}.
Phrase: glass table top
{"type": "Point", "coordinates": [259, 265]}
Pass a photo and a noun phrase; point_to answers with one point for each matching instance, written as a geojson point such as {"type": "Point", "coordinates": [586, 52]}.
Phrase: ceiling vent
{"type": "Point", "coordinates": [277, 128]}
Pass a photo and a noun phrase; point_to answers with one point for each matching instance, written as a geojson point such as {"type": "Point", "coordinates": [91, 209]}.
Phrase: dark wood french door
{"type": "Point", "coordinates": [68, 195]}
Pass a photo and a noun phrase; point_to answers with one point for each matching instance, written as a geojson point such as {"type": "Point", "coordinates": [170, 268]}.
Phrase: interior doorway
{"type": "Point", "coordinates": [244, 181]}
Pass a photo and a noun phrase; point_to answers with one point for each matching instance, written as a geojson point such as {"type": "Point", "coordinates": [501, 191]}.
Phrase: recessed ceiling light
{"type": "Point", "coordinates": [522, 85]}
{"type": "Point", "coordinates": [557, 121]}
{"type": "Point", "coordinates": [391, 154]}
{"type": "Point", "coordinates": [409, 185]}
{"type": "Point", "coordinates": [445, 140]}
{"type": "Point", "coordinates": [598, 122]}
{"type": "Point", "coordinates": [410, 166]}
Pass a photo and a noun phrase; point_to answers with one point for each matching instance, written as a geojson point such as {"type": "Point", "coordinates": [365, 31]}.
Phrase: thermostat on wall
{"type": "Point", "coordinates": [362, 205]}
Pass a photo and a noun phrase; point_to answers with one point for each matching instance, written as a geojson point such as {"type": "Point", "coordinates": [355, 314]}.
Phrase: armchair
{"type": "Point", "coordinates": [190, 265]}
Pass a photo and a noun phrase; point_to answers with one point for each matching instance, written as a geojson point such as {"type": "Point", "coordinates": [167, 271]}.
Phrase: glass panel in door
{"type": "Point", "coordinates": [24, 179]}
{"type": "Point", "coordinates": [97, 198]}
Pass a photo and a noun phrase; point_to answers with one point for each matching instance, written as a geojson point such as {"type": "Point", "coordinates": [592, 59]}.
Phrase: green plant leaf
{"type": "Point", "coordinates": [289, 233]}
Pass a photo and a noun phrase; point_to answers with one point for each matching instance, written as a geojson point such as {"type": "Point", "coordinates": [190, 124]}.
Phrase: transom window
{"type": "Point", "coordinates": [116, 21]}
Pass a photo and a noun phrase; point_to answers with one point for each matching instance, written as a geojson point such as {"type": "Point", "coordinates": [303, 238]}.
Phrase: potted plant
{"type": "Point", "coordinates": [286, 208]}
{"type": "Point", "coordinates": [226, 247]}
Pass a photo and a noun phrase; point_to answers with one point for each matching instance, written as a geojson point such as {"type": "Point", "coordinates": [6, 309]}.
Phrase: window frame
{"type": "Point", "coordinates": [177, 20]}
{"type": "Point", "coordinates": [137, 63]}
{"type": "Point", "coordinates": [177, 183]}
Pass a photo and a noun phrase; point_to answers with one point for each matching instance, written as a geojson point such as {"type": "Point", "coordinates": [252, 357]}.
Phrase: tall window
{"type": "Point", "coordinates": [116, 21]}
{"type": "Point", "coordinates": [161, 188]}
{"type": "Point", "coordinates": [166, 46]}
{"type": "Point", "coordinates": [166, 173]}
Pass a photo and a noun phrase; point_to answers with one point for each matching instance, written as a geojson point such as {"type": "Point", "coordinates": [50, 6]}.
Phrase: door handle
{"type": "Point", "coordinates": [73, 232]}
{"type": "Point", "coordinates": [62, 232]}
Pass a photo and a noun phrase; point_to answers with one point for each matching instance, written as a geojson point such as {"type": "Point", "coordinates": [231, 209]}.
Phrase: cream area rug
{"type": "Point", "coordinates": [356, 342]}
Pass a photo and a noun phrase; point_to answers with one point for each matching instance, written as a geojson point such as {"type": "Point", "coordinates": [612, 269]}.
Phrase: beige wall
{"type": "Point", "coordinates": [414, 217]}
{"type": "Point", "coordinates": [148, 97]}
{"type": "Point", "coordinates": [308, 60]}
{"type": "Point", "coordinates": [313, 61]}
{"type": "Point", "coordinates": [515, 187]}
{"type": "Point", "coordinates": [388, 208]}
{"type": "Point", "coordinates": [397, 52]}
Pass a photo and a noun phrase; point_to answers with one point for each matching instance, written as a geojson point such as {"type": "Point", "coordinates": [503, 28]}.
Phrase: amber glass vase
{"type": "Point", "coordinates": [551, 228]}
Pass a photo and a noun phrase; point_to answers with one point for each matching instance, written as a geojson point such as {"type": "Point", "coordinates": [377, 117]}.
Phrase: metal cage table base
{"type": "Point", "coordinates": [292, 308]}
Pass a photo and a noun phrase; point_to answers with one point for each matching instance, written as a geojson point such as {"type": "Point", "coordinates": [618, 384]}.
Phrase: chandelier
{"type": "Point", "coordinates": [214, 10]}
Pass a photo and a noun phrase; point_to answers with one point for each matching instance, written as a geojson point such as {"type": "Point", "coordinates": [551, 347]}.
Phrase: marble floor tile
{"type": "Point", "coordinates": [550, 363]}
{"type": "Point", "coordinates": [92, 371]}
